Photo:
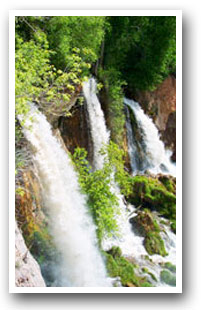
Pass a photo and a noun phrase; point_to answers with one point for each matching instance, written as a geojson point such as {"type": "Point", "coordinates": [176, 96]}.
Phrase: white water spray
{"type": "Point", "coordinates": [70, 223]}
{"type": "Point", "coordinates": [99, 132]}
{"type": "Point", "coordinates": [157, 158]}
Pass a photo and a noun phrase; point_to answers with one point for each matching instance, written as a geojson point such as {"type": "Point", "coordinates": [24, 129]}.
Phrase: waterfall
{"type": "Point", "coordinates": [150, 148]}
{"type": "Point", "coordinates": [99, 132]}
{"type": "Point", "coordinates": [69, 220]}
{"type": "Point", "coordinates": [135, 160]}
{"type": "Point", "coordinates": [130, 243]}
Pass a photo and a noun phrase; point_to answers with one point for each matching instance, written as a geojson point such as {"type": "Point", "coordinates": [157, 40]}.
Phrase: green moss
{"type": "Point", "coordinates": [115, 251]}
{"type": "Point", "coordinates": [145, 222]}
{"type": "Point", "coordinates": [146, 284]}
{"type": "Point", "coordinates": [170, 267]}
{"type": "Point", "coordinates": [146, 270]}
{"type": "Point", "coordinates": [153, 194]}
{"type": "Point", "coordinates": [113, 96]}
{"type": "Point", "coordinates": [169, 183]}
{"type": "Point", "coordinates": [154, 244]}
{"type": "Point", "coordinates": [119, 266]}
{"type": "Point", "coordinates": [173, 226]}
{"type": "Point", "coordinates": [168, 278]}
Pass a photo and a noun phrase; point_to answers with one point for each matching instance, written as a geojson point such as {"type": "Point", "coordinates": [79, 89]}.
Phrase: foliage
{"type": "Point", "coordinates": [115, 160]}
{"type": "Point", "coordinates": [97, 185]}
{"type": "Point", "coordinates": [113, 87]}
{"type": "Point", "coordinates": [101, 201]}
{"type": "Point", "coordinates": [83, 32]}
{"type": "Point", "coordinates": [142, 48]}
{"type": "Point", "coordinates": [38, 80]}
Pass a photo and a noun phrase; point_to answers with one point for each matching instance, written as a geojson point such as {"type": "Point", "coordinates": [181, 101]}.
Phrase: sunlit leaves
{"type": "Point", "coordinates": [75, 34]}
{"type": "Point", "coordinates": [97, 185]}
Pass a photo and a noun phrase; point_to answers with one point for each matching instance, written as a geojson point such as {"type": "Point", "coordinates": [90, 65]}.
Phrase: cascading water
{"type": "Point", "coordinates": [155, 158]}
{"type": "Point", "coordinates": [135, 160]}
{"type": "Point", "coordinates": [130, 243]}
{"type": "Point", "coordinates": [70, 224]}
{"type": "Point", "coordinates": [99, 132]}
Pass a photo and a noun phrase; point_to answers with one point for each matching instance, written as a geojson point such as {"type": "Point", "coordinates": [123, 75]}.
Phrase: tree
{"type": "Point", "coordinates": [83, 32]}
{"type": "Point", "coordinates": [142, 48]}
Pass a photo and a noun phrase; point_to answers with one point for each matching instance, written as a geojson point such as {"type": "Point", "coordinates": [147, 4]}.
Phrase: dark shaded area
{"type": "Point", "coordinates": [75, 130]}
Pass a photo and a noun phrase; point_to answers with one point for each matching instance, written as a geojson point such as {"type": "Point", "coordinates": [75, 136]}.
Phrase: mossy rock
{"type": "Point", "coordinates": [146, 284]}
{"type": "Point", "coordinates": [173, 226]}
{"type": "Point", "coordinates": [146, 270]}
{"type": "Point", "coordinates": [115, 251]}
{"type": "Point", "coordinates": [151, 193]}
{"type": "Point", "coordinates": [170, 267]}
{"type": "Point", "coordinates": [154, 244]}
{"type": "Point", "coordinates": [144, 222]}
{"type": "Point", "coordinates": [167, 277]}
{"type": "Point", "coordinates": [119, 266]}
{"type": "Point", "coordinates": [169, 182]}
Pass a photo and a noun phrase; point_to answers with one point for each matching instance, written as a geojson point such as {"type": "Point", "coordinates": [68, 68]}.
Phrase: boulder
{"type": "Point", "coordinates": [144, 222]}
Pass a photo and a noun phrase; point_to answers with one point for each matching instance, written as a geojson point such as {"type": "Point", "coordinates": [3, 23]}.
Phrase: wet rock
{"type": "Point", "coordinates": [168, 278]}
{"type": "Point", "coordinates": [169, 266]}
{"type": "Point", "coordinates": [75, 131]}
{"type": "Point", "coordinates": [154, 244]}
{"type": "Point", "coordinates": [156, 194]}
{"type": "Point", "coordinates": [27, 270]}
{"type": "Point", "coordinates": [169, 134]}
{"type": "Point", "coordinates": [147, 226]}
{"type": "Point", "coordinates": [160, 105]}
{"type": "Point", "coordinates": [144, 223]}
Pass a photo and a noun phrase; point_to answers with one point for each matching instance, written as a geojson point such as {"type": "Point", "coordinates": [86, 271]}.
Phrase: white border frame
{"type": "Point", "coordinates": [12, 287]}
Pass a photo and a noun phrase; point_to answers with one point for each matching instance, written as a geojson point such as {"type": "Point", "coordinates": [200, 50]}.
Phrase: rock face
{"type": "Point", "coordinates": [75, 131]}
{"type": "Point", "coordinates": [27, 270]}
{"type": "Point", "coordinates": [169, 135]}
{"type": "Point", "coordinates": [161, 106]}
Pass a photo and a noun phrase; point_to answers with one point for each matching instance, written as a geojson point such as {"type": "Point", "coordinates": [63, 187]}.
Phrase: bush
{"type": "Point", "coordinates": [113, 88]}
{"type": "Point", "coordinates": [82, 32]}
{"type": "Point", "coordinates": [101, 201]}
{"type": "Point", "coordinates": [142, 49]}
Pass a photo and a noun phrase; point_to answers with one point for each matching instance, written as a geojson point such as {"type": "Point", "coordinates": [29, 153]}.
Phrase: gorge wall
{"type": "Point", "coordinates": [75, 130]}
{"type": "Point", "coordinates": [160, 105]}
